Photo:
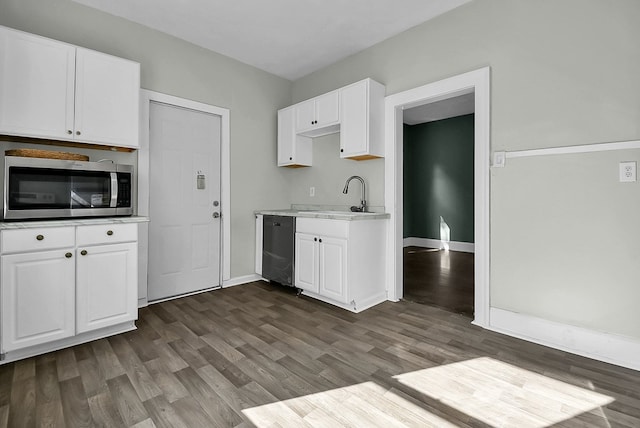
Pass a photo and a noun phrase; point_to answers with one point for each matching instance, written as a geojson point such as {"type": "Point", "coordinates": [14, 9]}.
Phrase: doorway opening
{"type": "Point", "coordinates": [477, 83]}
{"type": "Point", "coordinates": [438, 212]}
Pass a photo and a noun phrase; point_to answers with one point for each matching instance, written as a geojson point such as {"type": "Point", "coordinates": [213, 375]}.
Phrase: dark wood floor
{"type": "Point", "coordinates": [257, 355]}
{"type": "Point", "coordinates": [439, 278]}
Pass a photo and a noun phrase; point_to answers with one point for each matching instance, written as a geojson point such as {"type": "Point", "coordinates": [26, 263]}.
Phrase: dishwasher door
{"type": "Point", "coordinates": [278, 248]}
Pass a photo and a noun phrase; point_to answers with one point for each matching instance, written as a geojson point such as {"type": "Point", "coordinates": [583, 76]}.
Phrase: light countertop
{"type": "Point", "coordinates": [27, 224]}
{"type": "Point", "coordinates": [325, 212]}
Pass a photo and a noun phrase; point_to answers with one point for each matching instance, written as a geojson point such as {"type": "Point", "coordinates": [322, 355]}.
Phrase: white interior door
{"type": "Point", "coordinates": [184, 201]}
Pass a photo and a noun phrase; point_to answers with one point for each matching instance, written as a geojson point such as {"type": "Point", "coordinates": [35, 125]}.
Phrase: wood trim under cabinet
{"type": "Point", "coordinates": [363, 157]}
{"type": "Point", "coordinates": [30, 140]}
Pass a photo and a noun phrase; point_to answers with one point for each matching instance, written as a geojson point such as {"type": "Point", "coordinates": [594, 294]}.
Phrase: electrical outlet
{"type": "Point", "coordinates": [627, 172]}
{"type": "Point", "coordinates": [312, 191]}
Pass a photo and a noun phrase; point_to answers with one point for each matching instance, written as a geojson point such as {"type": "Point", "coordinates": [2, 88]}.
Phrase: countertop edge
{"type": "Point", "coordinates": [330, 216]}
{"type": "Point", "coordinates": [32, 224]}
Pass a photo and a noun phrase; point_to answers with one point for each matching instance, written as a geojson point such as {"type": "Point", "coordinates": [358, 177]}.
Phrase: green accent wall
{"type": "Point", "coordinates": [438, 178]}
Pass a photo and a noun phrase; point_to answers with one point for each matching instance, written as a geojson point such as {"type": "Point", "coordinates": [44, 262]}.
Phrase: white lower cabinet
{"type": "Point", "coordinates": [332, 256]}
{"type": "Point", "coordinates": [341, 262]}
{"type": "Point", "coordinates": [37, 298]}
{"type": "Point", "coordinates": [61, 282]}
{"type": "Point", "coordinates": [106, 286]}
{"type": "Point", "coordinates": [306, 262]}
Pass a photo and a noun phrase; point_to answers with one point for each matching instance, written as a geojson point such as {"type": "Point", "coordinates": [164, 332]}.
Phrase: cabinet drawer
{"type": "Point", "coordinates": [106, 234]}
{"type": "Point", "coordinates": [45, 238]}
{"type": "Point", "coordinates": [324, 227]}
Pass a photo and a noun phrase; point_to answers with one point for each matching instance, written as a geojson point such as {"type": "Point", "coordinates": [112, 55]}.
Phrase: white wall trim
{"type": "Point", "coordinates": [610, 348]}
{"type": "Point", "coordinates": [465, 247]}
{"type": "Point", "coordinates": [477, 82]}
{"type": "Point", "coordinates": [239, 280]}
{"type": "Point", "coordinates": [586, 148]}
{"type": "Point", "coordinates": [146, 98]}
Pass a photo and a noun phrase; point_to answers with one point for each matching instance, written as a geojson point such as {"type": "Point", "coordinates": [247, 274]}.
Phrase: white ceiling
{"type": "Point", "coordinates": [289, 38]}
{"type": "Point", "coordinates": [443, 109]}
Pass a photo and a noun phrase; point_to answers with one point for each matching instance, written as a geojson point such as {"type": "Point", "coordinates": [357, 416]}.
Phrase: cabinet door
{"type": "Point", "coordinates": [333, 268]}
{"type": "Point", "coordinates": [354, 124]}
{"type": "Point", "coordinates": [286, 136]}
{"type": "Point", "coordinates": [36, 86]}
{"type": "Point", "coordinates": [107, 99]}
{"type": "Point", "coordinates": [327, 109]}
{"type": "Point", "coordinates": [305, 115]}
{"type": "Point", "coordinates": [106, 285]}
{"type": "Point", "coordinates": [37, 298]}
{"type": "Point", "coordinates": [293, 150]}
{"type": "Point", "coordinates": [306, 262]}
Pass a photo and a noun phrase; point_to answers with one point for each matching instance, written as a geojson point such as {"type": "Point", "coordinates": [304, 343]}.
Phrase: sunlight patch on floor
{"type": "Point", "coordinates": [481, 390]}
{"type": "Point", "coordinates": [365, 404]}
{"type": "Point", "coordinates": [500, 394]}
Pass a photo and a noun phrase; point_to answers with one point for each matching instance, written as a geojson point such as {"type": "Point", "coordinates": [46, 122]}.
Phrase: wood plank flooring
{"type": "Point", "coordinates": [439, 278]}
{"type": "Point", "coordinates": [257, 355]}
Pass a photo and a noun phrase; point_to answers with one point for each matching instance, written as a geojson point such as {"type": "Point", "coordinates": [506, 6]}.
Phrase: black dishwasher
{"type": "Point", "coordinates": [278, 242]}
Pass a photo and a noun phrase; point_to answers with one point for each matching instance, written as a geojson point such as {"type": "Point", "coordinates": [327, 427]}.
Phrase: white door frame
{"type": "Point", "coordinates": [146, 98]}
{"type": "Point", "coordinates": [477, 82]}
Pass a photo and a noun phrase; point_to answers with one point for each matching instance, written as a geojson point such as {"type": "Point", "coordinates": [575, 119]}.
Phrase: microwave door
{"type": "Point", "coordinates": [90, 190]}
{"type": "Point", "coordinates": [79, 200]}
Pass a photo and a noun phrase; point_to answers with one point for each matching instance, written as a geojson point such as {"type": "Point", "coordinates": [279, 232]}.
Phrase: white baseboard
{"type": "Point", "coordinates": [610, 348]}
{"type": "Point", "coordinates": [242, 280]}
{"type": "Point", "coordinates": [465, 247]}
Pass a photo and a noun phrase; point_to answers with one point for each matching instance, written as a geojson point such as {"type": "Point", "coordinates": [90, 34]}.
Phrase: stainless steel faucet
{"type": "Point", "coordinates": [363, 202]}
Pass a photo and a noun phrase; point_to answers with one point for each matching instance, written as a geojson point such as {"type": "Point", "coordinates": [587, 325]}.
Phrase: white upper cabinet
{"type": "Point", "coordinates": [36, 85]}
{"type": "Point", "coordinates": [53, 90]}
{"type": "Point", "coordinates": [355, 111]}
{"type": "Point", "coordinates": [294, 150]}
{"type": "Point", "coordinates": [107, 99]}
{"type": "Point", "coordinates": [318, 116]}
{"type": "Point", "coordinates": [362, 124]}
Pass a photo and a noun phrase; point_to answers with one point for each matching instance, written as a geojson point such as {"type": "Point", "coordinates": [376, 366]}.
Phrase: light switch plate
{"type": "Point", "coordinates": [627, 172]}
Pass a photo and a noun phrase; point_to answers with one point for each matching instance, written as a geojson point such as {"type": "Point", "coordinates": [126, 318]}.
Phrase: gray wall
{"type": "Point", "coordinates": [329, 174]}
{"type": "Point", "coordinates": [175, 67]}
{"type": "Point", "coordinates": [562, 73]}
{"type": "Point", "coordinates": [438, 178]}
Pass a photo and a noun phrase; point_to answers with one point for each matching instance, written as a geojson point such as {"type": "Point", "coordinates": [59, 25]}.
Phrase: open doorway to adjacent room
{"type": "Point", "coordinates": [438, 211]}
{"type": "Point", "coordinates": [474, 84]}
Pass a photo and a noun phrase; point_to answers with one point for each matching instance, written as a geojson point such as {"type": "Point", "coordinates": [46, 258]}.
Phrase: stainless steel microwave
{"type": "Point", "coordinates": [37, 188]}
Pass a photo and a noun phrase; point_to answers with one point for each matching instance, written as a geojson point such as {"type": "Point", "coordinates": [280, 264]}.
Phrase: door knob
{"type": "Point", "coordinates": [216, 215]}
